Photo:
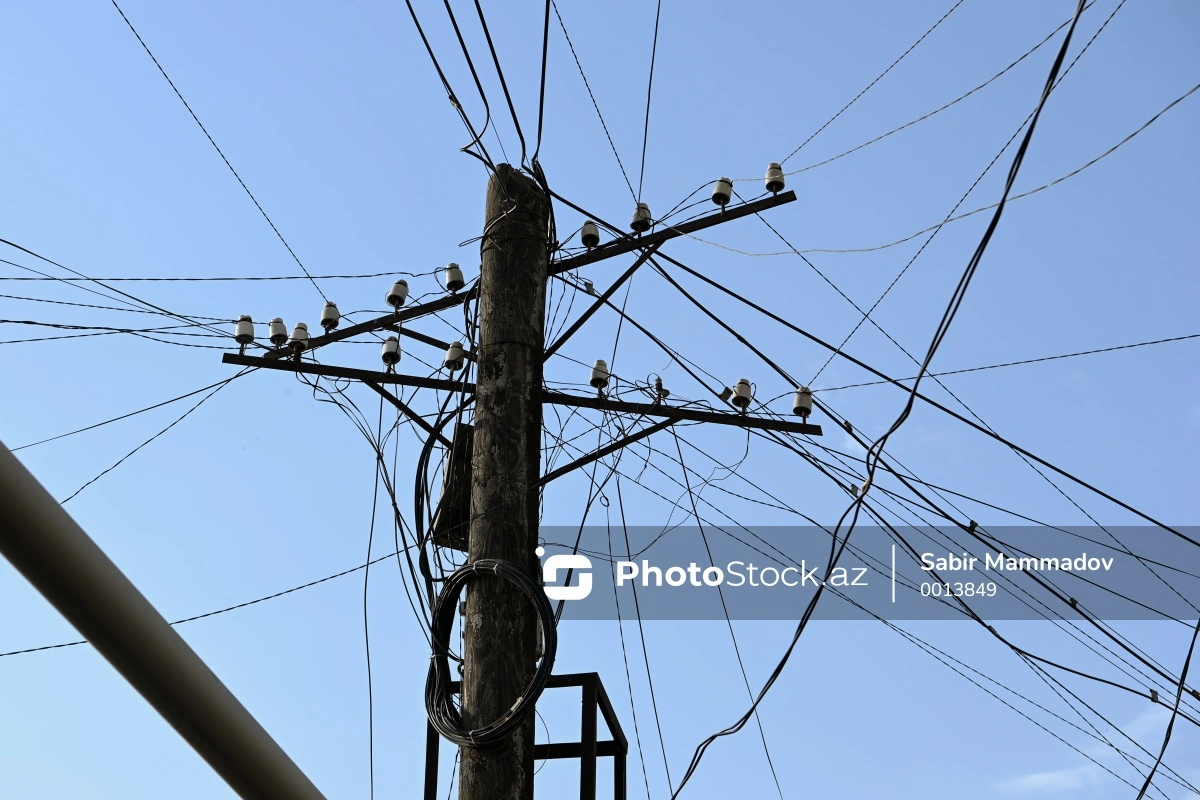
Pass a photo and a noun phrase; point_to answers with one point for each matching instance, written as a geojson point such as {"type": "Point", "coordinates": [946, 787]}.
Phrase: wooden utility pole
{"type": "Point", "coordinates": [500, 625]}
{"type": "Point", "coordinates": [500, 629]}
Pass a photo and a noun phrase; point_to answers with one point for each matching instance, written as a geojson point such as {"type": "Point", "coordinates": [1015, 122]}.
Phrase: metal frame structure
{"type": "Point", "coordinates": [617, 247]}
{"type": "Point", "coordinates": [676, 413]}
{"type": "Point", "coordinates": [588, 749]}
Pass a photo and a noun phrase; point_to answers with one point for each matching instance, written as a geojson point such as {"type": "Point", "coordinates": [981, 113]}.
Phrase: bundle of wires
{"type": "Point", "coordinates": [443, 715]}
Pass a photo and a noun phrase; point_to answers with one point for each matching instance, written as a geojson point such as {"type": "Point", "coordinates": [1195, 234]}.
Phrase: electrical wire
{"type": "Point", "coordinates": [219, 611]}
{"type": "Point", "coordinates": [642, 636]}
{"type": "Point", "coordinates": [211, 141]}
{"type": "Point", "coordinates": [178, 420]}
{"type": "Point", "coordinates": [503, 83]}
{"type": "Point", "coordinates": [366, 623]}
{"type": "Point", "coordinates": [477, 138]}
{"type": "Point", "coordinates": [876, 80]}
{"type": "Point", "coordinates": [1112, 349]}
{"type": "Point", "coordinates": [443, 715]}
{"type": "Point", "coordinates": [124, 416]}
{"type": "Point", "coordinates": [595, 105]}
{"type": "Point", "coordinates": [875, 452]}
{"type": "Point", "coordinates": [1174, 713]}
{"type": "Point", "coordinates": [928, 115]}
{"type": "Point", "coordinates": [1031, 120]}
{"type": "Point", "coordinates": [542, 83]}
{"type": "Point", "coordinates": [649, 90]}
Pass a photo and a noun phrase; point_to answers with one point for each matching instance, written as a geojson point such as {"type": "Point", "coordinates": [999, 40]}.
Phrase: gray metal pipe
{"type": "Point", "coordinates": [73, 573]}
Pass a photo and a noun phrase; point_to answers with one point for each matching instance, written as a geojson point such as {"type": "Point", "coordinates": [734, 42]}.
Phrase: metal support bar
{"type": "Point", "coordinates": [73, 573]}
{"type": "Point", "coordinates": [413, 312]}
{"type": "Point", "coordinates": [429, 340]}
{"type": "Point", "coordinates": [676, 413]}
{"type": "Point", "coordinates": [559, 750]}
{"type": "Point", "coordinates": [558, 398]}
{"type": "Point", "coordinates": [587, 749]}
{"type": "Point", "coordinates": [587, 737]}
{"type": "Point", "coordinates": [606, 450]}
{"type": "Point", "coordinates": [631, 243]}
{"type": "Point", "coordinates": [432, 746]}
{"type": "Point", "coordinates": [614, 248]}
{"type": "Point", "coordinates": [594, 307]}
{"type": "Point", "coordinates": [408, 412]}
{"type": "Point", "coordinates": [331, 371]}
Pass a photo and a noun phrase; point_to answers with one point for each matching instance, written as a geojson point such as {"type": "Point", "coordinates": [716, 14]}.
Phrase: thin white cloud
{"type": "Point", "coordinates": [1050, 782]}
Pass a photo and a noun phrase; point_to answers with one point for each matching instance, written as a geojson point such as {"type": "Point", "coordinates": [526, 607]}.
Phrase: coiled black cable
{"type": "Point", "coordinates": [444, 717]}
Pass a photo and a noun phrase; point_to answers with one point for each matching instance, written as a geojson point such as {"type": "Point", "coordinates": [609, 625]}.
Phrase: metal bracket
{"type": "Point", "coordinates": [587, 749]}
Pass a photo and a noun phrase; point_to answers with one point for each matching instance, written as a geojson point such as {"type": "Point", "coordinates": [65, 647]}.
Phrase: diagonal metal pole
{"type": "Point", "coordinates": [73, 573]}
{"type": "Point", "coordinates": [600, 301]}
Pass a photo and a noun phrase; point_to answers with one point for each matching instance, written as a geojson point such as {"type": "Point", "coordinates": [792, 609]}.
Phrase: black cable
{"type": "Point", "coordinates": [792, 381]}
{"type": "Point", "coordinates": [180, 419]}
{"type": "Point", "coordinates": [642, 636]}
{"type": "Point", "coordinates": [874, 453]}
{"type": "Point", "coordinates": [218, 149]}
{"type": "Point", "coordinates": [972, 213]}
{"type": "Point", "coordinates": [1025, 361]}
{"type": "Point", "coordinates": [219, 611]}
{"type": "Point", "coordinates": [124, 416]}
{"type": "Point", "coordinates": [936, 111]}
{"type": "Point", "coordinates": [366, 624]}
{"type": "Point", "coordinates": [98, 307]}
{"type": "Point", "coordinates": [959, 294]}
{"type": "Point", "coordinates": [725, 609]}
{"type": "Point", "coordinates": [1031, 120]}
{"type": "Point", "coordinates": [500, 72]}
{"type": "Point", "coordinates": [477, 138]}
{"type": "Point", "coordinates": [649, 89]}
{"type": "Point", "coordinates": [637, 733]}
{"type": "Point", "coordinates": [595, 105]}
{"type": "Point", "coordinates": [863, 365]}
{"type": "Point", "coordinates": [873, 82]}
{"type": "Point", "coordinates": [443, 715]}
{"type": "Point", "coordinates": [474, 75]}
{"type": "Point", "coordinates": [129, 297]}
{"type": "Point", "coordinates": [542, 83]}
{"type": "Point", "coordinates": [1174, 713]}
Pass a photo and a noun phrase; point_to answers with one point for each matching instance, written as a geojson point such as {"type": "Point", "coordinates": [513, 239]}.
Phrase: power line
{"type": "Point", "coordinates": [123, 416]}
{"type": "Point", "coordinates": [218, 149]}
{"type": "Point", "coordinates": [1031, 120]}
{"type": "Point", "coordinates": [196, 279]}
{"type": "Point", "coordinates": [725, 609]}
{"type": "Point", "coordinates": [500, 73]}
{"type": "Point", "coordinates": [1174, 713]}
{"type": "Point", "coordinates": [1112, 349]}
{"type": "Point", "coordinates": [863, 365]}
{"type": "Point", "coordinates": [474, 75]}
{"type": "Point", "coordinates": [924, 117]}
{"type": "Point", "coordinates": [878, 77]}
{"type": "Point", "coordinates": [595, 105]}
{"type": "Point", "coordinates": [876, 449]}
{"type": "Point", "coordinates": [80, 275]}
{"type": "Point", "coordinates": [477, 138]}
{"type": "Point", "coordinates": [218, 611]}
{"type": "Point", "coordinates": [542, 82]}
{"type": "Point", "coordinates": [649, 90]}
{"type": "Point", "coordinates": [180, 419]}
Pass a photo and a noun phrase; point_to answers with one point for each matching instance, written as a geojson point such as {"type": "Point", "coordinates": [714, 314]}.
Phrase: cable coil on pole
{"type": "Point", "coordinates": [443, 715]}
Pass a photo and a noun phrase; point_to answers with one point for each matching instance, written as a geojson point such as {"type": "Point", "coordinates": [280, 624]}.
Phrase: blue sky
{"type": "Point", "coordinates": [333, 116]}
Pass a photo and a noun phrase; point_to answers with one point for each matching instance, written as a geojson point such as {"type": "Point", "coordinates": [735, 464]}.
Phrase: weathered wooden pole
{"type": "Point", "coordinates": [500, 626]}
